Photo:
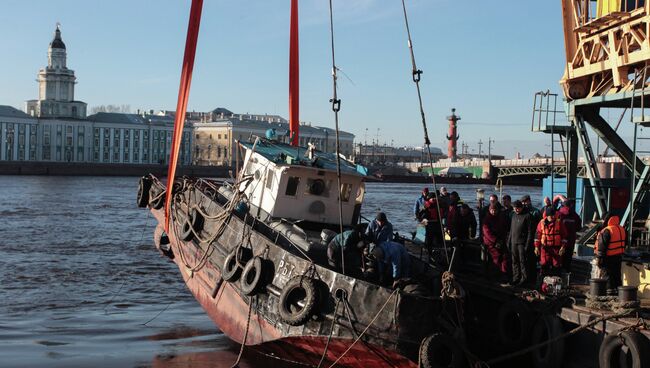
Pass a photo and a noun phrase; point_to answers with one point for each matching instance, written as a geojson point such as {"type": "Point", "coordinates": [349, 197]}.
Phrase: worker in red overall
{"type": "Point", "coordinates": [550, 241]}
{"type": "Point", "coordinates": [494, 230]}
{"type": "Point", "coordinates": [572, 223]}
{"type": "Point", "coordinates": [433, 237]}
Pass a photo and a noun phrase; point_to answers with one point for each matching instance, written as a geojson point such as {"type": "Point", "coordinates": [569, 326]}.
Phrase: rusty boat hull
{"type": "Point", "coordinates": [366, 324]}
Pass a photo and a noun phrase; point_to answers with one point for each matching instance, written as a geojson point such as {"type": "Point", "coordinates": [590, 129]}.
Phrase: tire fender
{"type": "Point", "coordinates": [193, 224]}
{"type": "Point", "coordinates": [298, 290]}
{"type": "Point", "coordinates": [156, 198]}
{"type": "Point", "coordinates": [514, 321]}
{"type": "Point", "coordinates": [144, 186]}
{"type": "Point", "coordinates": [231, 269]}
{"type": "Point", "coordinates": [161, 241]}
{"type": "Point", "coordinates": [627, 345]}
{"type": "Point", "coordinates": [551, 355]}
{"type": "Point", "coordinates": [441, 350]}
{"type": "Point", "coordinates": [254, 276]}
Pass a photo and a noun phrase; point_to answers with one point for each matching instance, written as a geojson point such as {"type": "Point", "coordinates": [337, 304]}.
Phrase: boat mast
{"type": "Point", "coordinates": [294, 76]}
{"type": "Point", "coordinates": [183, 95]}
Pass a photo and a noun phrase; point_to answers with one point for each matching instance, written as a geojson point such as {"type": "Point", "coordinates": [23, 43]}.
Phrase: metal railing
{"type": "Point", "coordinates": [586, 11]}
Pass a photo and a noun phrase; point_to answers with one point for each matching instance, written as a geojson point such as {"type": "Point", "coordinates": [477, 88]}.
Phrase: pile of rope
{"type": "Point", "coordinates": [450, 287]}
{"type": "Point", "coordinates": [611, 303]}
{"type": "Point", "coordinates": [599, 302]}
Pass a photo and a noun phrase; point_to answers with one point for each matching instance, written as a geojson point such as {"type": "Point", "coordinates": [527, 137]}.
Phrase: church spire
{"type": "Point", "coordinates": [56, 53]}
{"type": "Point", "coordinates": [56, 86]}
{"type": "Point", "coordinates": [57, 42]}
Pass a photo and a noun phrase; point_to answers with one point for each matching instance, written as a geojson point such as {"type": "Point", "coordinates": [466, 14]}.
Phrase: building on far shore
{"type": "Point", "coordinates": [215, 136]}
{"type": "Point", "coordinates": [385, 155]}
{"type": "Point", "coordinates": [55, 127]}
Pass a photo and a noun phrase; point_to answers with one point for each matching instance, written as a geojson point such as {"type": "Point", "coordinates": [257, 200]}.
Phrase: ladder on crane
{"type": "Point", "coordinates": [545, 119]}
{"type": "Point", "coordinates": [641, 185]}
{"type": "Point", "coordinates": [590, 164]}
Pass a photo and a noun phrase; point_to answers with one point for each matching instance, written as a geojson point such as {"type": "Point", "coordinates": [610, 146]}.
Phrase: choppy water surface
{"type": "Point", "coordinates": [80, 280]}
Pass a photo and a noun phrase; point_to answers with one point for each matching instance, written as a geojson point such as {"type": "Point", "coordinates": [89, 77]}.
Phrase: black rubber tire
{"type": "Point", "coordinates": [253, 277]}
{"type": "Point", "coordinates": [143, 191]}
{"type": "Point", "coordinates": [299, 288]}
{"type": "Point", "coordinates": [161, 241]}
{"type": "Point", "coordinates": [551, 355]}
{"type": "Point", "coordinates": [441, 351]}
{"type": "Point", "coordinates": [514, 321]}
{"type": "Point", "coordinates": [193, 221]}
{"type": "Point", "coordinates": [156, 199]}
{"type": "Point", "coordinates": [638, 350]}
{"type": "Point", "coordinates": [230, 271]}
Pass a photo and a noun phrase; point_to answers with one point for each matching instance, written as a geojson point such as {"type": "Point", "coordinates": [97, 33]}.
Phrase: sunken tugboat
{"type": "Point", "coordinates": [253, 255]}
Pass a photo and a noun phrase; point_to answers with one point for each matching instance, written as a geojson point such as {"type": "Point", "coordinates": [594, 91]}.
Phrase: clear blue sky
{"type": "Point", "coordinates": [485, 58]}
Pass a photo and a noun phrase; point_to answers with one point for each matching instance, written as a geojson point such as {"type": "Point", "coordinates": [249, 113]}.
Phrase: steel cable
{"type": "Point", "coordinates": [417, 73]}
{"type": "Point", "coordinates": [336, 106]}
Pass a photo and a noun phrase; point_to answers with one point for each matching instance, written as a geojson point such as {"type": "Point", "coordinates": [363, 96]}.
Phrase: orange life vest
{"type": "Point", "coordinates": [551, 236]}
{"type": "Point", "coordinates": [616, 244]}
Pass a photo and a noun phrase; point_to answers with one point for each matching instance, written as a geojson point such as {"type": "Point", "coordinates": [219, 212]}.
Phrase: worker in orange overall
{"type": "Point", "coordinates": [609, 249]}
{"type": "Point", "coordinates": [550, 241]}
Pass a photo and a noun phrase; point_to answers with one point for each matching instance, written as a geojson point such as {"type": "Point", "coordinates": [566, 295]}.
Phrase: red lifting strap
{"type": "Point", "coordinates": [294, 75]}
{"type": "Point", "coordinates": [183, 95]}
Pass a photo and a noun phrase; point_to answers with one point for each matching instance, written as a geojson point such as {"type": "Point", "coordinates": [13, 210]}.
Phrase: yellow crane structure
{"type": "Point", "coordinates": [607, 45]}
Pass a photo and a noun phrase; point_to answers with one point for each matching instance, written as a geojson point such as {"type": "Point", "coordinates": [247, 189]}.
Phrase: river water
{"type": "Point", "coordinates": [81, 283]}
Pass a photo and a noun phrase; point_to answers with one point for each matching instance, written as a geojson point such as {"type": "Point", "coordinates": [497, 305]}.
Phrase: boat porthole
{"type": "Point", "coordinates": [340, 294]}
{"type": "Point", "coordinates": [317, 187]}
{"type": "Point", "coordinates": [298, 301]}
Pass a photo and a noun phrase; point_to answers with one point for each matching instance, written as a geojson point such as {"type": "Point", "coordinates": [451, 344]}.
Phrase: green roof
{"type": "Point", "coordinates": [284, 154]}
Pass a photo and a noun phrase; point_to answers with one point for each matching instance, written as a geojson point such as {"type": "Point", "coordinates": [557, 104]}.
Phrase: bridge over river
{"type": "Point", "coordinates": [608, 167]}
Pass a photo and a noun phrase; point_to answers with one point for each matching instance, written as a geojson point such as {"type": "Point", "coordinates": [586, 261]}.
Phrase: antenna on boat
{"type": "Point", "coordinates": [417, 74]}
{"type": "Point", "coordinates": [336, 106]}
{"type": "Point", "coordinates": [183, 95]}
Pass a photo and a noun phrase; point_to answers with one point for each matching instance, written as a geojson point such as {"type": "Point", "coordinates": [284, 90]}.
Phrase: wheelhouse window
{"type": "Point", "coordinates": [269, 178]}
{"type": "Point", "coordinates": [346, 189]}
{"type": "Point", "coordinates": [292, 185]}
